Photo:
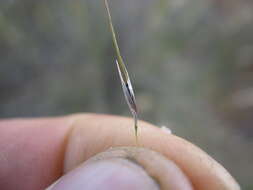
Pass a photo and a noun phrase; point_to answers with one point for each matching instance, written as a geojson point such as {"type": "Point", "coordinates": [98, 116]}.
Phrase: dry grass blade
{"type": "Point", "coordinates": [124, 77]}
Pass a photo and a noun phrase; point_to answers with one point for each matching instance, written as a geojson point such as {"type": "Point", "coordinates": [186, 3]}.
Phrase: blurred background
{"type": "Point", "coordinates": [191, 64]}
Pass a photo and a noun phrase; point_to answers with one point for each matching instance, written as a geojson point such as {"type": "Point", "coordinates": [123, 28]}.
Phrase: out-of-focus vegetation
{"type": "Point", "coordinates": [191, 64]}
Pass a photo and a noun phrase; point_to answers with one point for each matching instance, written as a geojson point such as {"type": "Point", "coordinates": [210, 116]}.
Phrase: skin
{"type": "Point", "coordinates": [41, 150]}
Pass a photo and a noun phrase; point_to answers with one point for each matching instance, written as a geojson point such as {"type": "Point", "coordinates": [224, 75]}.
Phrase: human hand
{"type": "Point", "coordinates": [36, 152]}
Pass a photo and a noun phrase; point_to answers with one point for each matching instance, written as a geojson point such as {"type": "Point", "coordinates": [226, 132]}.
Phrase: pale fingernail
{"type": "Point", "coordinates": [108, 174]}
{"type": "Point", "coordinates": [166, 129]}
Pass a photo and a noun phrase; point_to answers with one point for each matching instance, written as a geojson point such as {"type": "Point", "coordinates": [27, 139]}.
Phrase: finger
{"type": "Point", "coordinates": [96, 133]}
{"type": "Point", "coordinates": [32, 152]}
{"type": "Point", "coordinates": [125, 168]}
{"type": "Point", "coordinates": [90, 134]}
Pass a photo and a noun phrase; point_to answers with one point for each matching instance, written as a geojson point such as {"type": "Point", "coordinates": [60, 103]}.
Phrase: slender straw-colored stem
{"type": "Point", "coordinates": [115, 43]}
{"type": "Point", "coordinates": [125, 80]}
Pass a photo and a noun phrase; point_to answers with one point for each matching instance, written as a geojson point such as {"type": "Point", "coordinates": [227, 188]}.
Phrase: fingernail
{"type": "Point", "coordinates": [111, 174]}
{"type": "Point", "coordinates": [166, 129]}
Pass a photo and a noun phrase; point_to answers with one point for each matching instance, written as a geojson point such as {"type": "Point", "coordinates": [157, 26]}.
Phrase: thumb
{"type": "Point", "coordinates": [125, 168]}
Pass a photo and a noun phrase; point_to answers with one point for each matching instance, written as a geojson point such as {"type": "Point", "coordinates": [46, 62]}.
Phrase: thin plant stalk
{"type": "Point", "coordinates": [124, 77]}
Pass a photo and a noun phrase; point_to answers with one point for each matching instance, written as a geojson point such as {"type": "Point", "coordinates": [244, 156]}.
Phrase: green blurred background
{"type": "Point", "coordinates": [191, 64]}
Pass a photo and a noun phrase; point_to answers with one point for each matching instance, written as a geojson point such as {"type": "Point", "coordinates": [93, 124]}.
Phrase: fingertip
{"type": "Point", "coordinates": [125, 168]}
{"type": "Point", "coordinates": [96, 133]}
